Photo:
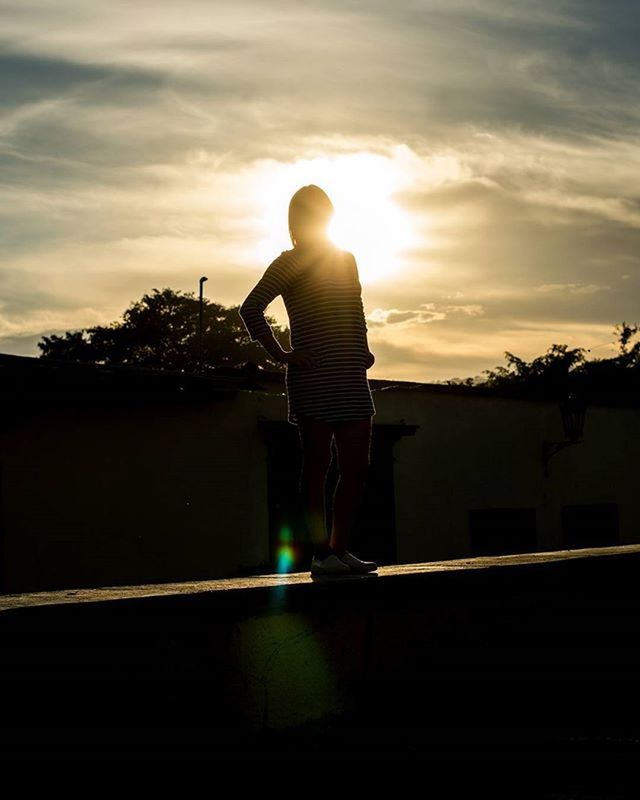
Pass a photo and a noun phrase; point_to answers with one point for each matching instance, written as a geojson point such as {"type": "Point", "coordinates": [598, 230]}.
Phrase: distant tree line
{"type": "Point", "coordinates": [161, 331]}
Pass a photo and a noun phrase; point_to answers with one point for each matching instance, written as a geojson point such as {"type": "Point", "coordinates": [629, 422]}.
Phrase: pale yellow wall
{"type": "Point", "coordinates": [170, 492]}
{"type": "Point", "coordinates": [134, 495]}
{"type": "Point", "coordinates": [473, 452]}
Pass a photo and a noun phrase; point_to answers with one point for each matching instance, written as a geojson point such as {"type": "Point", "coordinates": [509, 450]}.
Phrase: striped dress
{"type": "Point", "coordinates": [321, 291]}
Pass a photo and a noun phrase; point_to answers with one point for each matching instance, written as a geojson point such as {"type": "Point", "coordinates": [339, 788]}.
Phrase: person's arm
{"type": "Point", "coordinates": [277, 277]}
{"type": "Point", "coordinates": [272, 346]}
{"type": "Point", "coordinates": [362, 317]}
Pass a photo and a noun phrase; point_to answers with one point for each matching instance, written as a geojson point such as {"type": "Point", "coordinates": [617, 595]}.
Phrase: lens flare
{"type": "Point", "coordinates": [285, 551]}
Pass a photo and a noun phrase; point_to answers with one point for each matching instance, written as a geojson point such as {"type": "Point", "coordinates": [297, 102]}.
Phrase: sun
{"type": "Point", "coordinates": [366, 221]}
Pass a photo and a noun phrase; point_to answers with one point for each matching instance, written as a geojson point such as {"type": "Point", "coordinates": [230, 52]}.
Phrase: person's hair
{"type": "Point", "coordinates": [309, 207]}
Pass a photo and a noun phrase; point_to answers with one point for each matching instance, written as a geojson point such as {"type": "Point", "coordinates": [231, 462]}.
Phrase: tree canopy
{"type": "Point", "coordinates": [563, 370]}
{"type": "Point", "coordinates": [162, 331]}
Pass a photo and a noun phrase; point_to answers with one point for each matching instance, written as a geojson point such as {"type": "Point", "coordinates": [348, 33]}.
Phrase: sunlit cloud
{"type": "Point", "coordinates": [366, 219]}
{"type": "Point", "coordinates": [574, 288]}
{"type": "Point", "coordinates": [481, 157]}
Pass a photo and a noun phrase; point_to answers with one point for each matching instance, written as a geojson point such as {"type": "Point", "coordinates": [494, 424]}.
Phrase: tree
{"type": "Point", "coordinates": [548, 373]}
{"type": "Point", "coordinates": [624, 333]}
{"type": "Point", "coordinates": [562, 370]}
{"type": "Point", "coordinates": [161, 331]}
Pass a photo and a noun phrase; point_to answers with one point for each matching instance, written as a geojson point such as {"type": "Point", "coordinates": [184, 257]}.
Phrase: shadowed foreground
{"type": "Point", "coordinates": [467, 669]}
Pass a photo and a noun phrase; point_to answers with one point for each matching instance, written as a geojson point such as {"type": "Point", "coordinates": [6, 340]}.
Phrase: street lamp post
{"type": "Point", "coordinates": [200, 325]}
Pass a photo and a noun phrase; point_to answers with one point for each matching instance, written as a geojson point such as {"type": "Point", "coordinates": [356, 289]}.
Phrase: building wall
{"type": "Point", "coordinates": [481, 452]}
{"type": "Point", "coordinates": [118, 495]}
{"type": "Point", "coordinates": [162, 491]}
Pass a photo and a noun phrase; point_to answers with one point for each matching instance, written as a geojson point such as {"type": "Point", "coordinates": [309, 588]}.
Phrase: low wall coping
{"type": "Point", "coordinates": [9, 602]}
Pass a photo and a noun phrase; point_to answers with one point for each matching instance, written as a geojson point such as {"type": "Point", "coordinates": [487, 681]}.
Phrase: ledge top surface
{"type": "Point", "coordinates": [132, 592]}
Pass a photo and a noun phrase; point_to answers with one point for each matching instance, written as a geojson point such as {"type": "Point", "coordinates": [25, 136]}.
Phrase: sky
{"type": "Point", "coordinates": [483, 158]}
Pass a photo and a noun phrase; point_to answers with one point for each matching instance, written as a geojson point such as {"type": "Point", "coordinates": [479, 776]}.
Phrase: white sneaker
{"type": "Point", "coordinates": [329, 565]}
{"type": "Point", "coordinates": [356, 564]}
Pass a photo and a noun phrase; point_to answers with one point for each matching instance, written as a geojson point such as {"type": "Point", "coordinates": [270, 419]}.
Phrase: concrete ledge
{"type": "Point", "coordinates": [508, 649]}
{"type": "Point", "coordinates": [282, 581]}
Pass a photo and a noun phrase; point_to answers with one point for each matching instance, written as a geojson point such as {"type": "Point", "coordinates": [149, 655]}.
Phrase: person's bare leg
{"type": "Point", "coordinates": [353, 443]}
{"type": "Point", "coordinates": [315, 439]}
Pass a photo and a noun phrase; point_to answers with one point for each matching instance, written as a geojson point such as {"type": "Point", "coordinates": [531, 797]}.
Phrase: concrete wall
{"type": "Point", "coordinates": [482, 452]}
{"type": "Point", "coordinates": [164, 491]}
{"type": "Point", "coordinates": [489, 654]}
{"type": "Point", "coordinates": [127, 494]}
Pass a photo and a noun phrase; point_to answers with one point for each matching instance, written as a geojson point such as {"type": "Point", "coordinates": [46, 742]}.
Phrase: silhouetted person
{"type": "Point", "coordinates": [328, 391]}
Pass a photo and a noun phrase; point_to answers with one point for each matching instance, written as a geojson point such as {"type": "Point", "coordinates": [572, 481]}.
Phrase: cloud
{"type": "Point", "coordinates": [427, 314]}
{"type": "Point", "coordinates": [136, 141]}
{"type": "Point", "coordinates": [574, 288]}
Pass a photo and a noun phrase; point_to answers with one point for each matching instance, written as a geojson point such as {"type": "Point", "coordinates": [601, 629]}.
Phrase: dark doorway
{"type": "Point", "coordinates": [374, 532]}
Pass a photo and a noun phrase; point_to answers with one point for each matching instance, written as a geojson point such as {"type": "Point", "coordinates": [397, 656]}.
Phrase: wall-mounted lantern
{"type": "Point", "coordinates": [573, 411]}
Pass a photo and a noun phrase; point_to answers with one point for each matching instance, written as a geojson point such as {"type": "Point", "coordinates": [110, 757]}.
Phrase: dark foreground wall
{"type": "Point", "coordinates": [524, 653]}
